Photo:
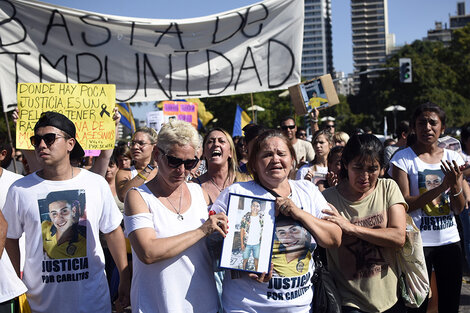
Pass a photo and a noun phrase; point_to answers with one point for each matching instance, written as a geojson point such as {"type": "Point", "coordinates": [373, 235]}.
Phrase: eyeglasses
{"type": "Point", "coordinates": [140, 144]}
{"type": "Point", "coordinates": [302, 135]}
{"type": "Point", "coordinates": [330, 126]}
{"type": "Point", "coordinates": [49, 139]}
{"type": "Point", "coordinates": [175, 162]}
{"type": "Point", "coordinates": [285, 127]}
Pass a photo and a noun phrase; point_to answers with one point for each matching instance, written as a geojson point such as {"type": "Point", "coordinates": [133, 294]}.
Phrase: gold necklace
{"type": "Point", "coordinates": [179, 217]}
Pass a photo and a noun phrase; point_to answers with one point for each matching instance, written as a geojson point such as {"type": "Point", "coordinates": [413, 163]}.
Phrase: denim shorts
{"type": "Point", "coordinates": [248, 249]}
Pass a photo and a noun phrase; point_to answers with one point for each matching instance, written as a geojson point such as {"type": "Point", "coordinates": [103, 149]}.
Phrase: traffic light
{"type": "Point", "coordinates": [405, 70]}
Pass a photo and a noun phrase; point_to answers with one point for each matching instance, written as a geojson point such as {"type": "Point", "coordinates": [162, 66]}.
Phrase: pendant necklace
{"type": "Point", "coordinates": [179, 217]}
{"type": "Point", "coordinates": [213, 182]}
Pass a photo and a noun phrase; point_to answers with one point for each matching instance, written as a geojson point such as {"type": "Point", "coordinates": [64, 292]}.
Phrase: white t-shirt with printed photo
{"type": "Point", "coordinates": [436, 220]}
{"type": "Point", "coordinates": [63, 276]}
{"type": "Point", "coordinates": [290, 289]}
{"type": "Point", "coordinates": [10, 284]}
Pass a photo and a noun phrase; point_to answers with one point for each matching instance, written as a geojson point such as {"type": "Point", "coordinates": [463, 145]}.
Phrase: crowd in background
{"type": "Point", "coordinates": [346, 195]}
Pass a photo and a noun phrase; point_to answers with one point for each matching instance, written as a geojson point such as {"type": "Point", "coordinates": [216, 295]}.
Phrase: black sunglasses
{"type": "Point", "coordinates": [285, 127]}
{"type": "Point", "coordinates": [330, 126]}
{"type": "Point", "coordinates": [49, 139]}
{"type": "Point", "coordinates": [175, 162]}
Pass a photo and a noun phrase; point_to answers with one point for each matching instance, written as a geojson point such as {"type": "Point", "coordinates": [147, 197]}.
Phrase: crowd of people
{"type": "Point", "coordinates": [143, 225]}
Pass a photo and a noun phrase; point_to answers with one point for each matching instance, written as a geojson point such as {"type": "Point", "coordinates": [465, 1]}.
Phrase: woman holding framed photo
{"type": "Point", "coordinates": [166, 221]}
{"type": "Point", "coordinates": [298, 205]}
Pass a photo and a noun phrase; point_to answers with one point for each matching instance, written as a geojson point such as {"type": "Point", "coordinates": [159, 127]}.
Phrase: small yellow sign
{"type": "Point", "coordinates": [89, 106]}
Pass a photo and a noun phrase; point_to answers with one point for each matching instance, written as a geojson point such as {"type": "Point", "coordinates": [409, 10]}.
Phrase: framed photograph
{"type": "Point", "coordinates": [248, 245]}
{"type": "Point", "coordinates": [317, 93]}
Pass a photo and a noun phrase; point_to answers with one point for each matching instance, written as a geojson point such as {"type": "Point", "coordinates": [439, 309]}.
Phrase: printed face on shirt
{"type": "Point", "coordinates": [292, 236]}
{"type": "Point", "coordinates": [432, 181]}
{"type": "Point", "coordinates": [62, 215]}
{"type": "Point", "coordinates": [63, 224]}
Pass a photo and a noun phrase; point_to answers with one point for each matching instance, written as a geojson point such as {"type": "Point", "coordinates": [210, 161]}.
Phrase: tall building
{"type": "Point", "coordinates": [461, 19]}
{"type": "Point", "coordinates": [317, 52]}
{"type": "Point", "coordinates": [371, 41]}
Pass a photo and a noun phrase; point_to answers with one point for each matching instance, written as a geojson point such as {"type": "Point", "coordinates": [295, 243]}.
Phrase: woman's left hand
{"type": "Point", "coordinates": [286, 207]}
{"type": "Point", "coordinates": [452, 174]}
{"type": "Point", "coordinates": [334, 216]}
{"type": "Point", "coordinates": [264, 277]}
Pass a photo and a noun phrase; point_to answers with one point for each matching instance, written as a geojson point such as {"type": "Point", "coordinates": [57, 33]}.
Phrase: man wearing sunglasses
{"type": "Point", "coordinates": [303, 149]}
{"type": "Point", "coordinates": [78, 280]}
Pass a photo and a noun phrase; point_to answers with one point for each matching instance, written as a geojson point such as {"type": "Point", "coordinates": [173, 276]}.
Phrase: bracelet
{"type": "Point", "coordinates": [458, 193]}
{"type": "Point", "coordinates": [141, 176]}
{"type": "Point", "coordinates": [150, 167]}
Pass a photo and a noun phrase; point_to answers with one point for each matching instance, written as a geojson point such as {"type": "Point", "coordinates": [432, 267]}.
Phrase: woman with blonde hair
{"type": "Point", "coordinates": [221, 163]}
{"type": "Point", "coordinates": [165, 220]}
{"type": "Point", "coordinates": [340, 138]}
{"type": "Point", "coordinates": [144, 168]}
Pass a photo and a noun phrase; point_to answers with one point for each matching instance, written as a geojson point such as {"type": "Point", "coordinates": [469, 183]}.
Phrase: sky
{"type": "Point", "coordinates": [407, 19]}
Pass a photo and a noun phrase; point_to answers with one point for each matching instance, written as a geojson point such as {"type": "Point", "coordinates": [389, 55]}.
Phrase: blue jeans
{"type": "Point", "coordinates": [248, 249]}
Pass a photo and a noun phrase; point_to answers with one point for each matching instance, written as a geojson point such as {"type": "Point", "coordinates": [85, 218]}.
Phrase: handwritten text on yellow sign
{"type": "Point", "coordinates": [89, 106]}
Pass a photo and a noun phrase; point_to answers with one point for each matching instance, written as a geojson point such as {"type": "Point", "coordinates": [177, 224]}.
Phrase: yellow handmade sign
{"type": "Point", "coordinates": [89, 106]}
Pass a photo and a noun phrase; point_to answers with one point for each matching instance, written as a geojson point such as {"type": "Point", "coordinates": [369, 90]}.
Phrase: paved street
{"type": "Point", "coordinates": [465, 296]}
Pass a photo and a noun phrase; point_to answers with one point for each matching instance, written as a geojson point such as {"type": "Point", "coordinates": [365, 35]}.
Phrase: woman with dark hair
{"type": "Point", "coordinates": [317, 169]}
{"type": "Point", "coordinates": [298, 205]}
{"type": "Point", "coordinates": [144, 168]}
{"type": "Point", "coordinates": [431, 182]}
{"type": "Point", "coordinates": [371, 213]}
{"type": "Point", "coordinates": [334, 167]}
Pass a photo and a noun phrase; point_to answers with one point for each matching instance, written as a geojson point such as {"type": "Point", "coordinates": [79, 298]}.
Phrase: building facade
{"type": "Point", "coordinates": [317, 52]}
{"type": "Point", "coordinates": [371, 41]}
{"type": "Point", "coordinates": [461, 19]}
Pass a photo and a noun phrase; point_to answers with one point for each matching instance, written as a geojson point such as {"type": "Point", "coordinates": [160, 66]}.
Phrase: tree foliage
{"type": "Point", "coordinates": [440, 75]}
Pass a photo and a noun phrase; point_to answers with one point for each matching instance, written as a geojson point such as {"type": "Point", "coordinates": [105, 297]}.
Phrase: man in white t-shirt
{"type": "Point", "coordinates": [303, 149]}
{"type": "Point", "coordinates": [67, 275]}
{"type": "Point", "coordinates": [251, 229]}
{"type": "Point", "coordinates": [10, 285]}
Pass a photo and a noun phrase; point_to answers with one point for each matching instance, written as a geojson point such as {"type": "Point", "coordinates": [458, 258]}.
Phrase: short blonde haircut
{"type": "Point", "coordinates": [177, 132]}
{"type": "Point", "coordinates": [341, 136]}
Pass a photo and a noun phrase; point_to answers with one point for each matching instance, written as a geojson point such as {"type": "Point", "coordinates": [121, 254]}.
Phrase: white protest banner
{"type": "Point", "coordinates": [251, 49]}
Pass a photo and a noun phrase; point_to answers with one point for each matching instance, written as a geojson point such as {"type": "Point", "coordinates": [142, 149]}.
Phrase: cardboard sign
{"type": "Point", "coordinates": [89, 106]}
{"type": "Point", "coordinates": [155, 119]}
{"type": "Point", "coordinates": [317, 93]}
{"type": "Point", "coordinates": [182, 110]}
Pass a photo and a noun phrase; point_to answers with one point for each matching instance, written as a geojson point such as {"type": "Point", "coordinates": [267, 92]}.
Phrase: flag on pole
{"type": "Point", "coordinates": [127, 119]}
{"type": "Point", "coordinates": [241, 120]}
